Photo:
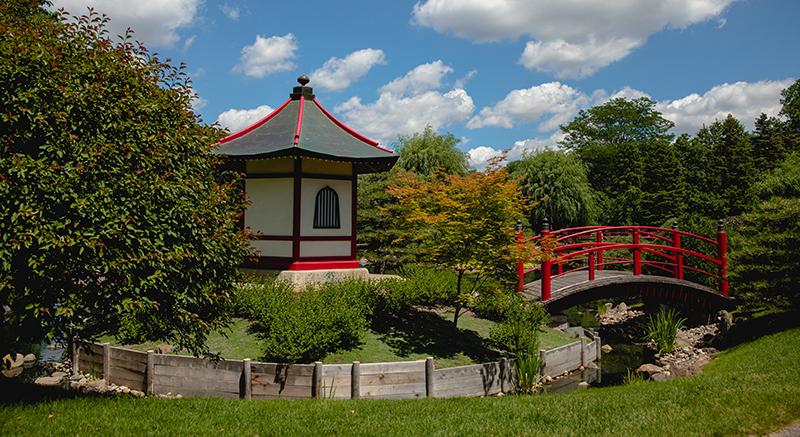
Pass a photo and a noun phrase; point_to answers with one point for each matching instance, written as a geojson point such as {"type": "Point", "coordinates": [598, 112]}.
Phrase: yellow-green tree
{"type": "Point", "coordinates": [466, 224]}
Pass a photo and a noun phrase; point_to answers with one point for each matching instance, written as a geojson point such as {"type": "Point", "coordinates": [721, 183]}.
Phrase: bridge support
{"type": "Point", "coordinates": [722, 256]}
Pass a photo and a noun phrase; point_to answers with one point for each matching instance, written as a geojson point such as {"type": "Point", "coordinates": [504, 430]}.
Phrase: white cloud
{"type": "Point", "coordinates": [267, 56]}
{"type": "Point", "coordinates": [461, 83]}
{"type": "Point", "coordinates": [419, 80]}
{"type": "Point", "coordinates": [573, 38]}
{"type": "Point", "coordinates": [337, 74]}
{"type": "Point", "coordinates": [198, 102]}
{"type": "Point", "coordinates": [238, 119]}
{"type": "Point", "coordinates": [231, 12]}
{"type": "Point", "coordinates": [745, 101]}
{"type": "Point", "coordinates": [391, 115]}
{"type": "Point", "coordinates": [560, 102]}
{"type": "Point", "coordinates": [188, 43]}
{"type": "Point", "coordinates": [155, 22]}
{"type": "Point", "coordinates": [480, 156]}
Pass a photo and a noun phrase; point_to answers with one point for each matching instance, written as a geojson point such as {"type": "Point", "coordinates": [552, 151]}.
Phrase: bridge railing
{"type": "Point", "coordinates": [590, 248]}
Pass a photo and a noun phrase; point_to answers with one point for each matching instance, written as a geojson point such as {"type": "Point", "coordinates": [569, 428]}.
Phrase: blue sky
{"type": "Point", "coordinates": [499, 74]}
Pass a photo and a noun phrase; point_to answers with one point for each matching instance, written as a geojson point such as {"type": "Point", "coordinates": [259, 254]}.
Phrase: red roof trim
{"type": "Point", "coordinates": [248, 129]}
{"type": "Point", "coordinates": [350, 131]}
{"type": "Point", "coordinates": [299, 121]}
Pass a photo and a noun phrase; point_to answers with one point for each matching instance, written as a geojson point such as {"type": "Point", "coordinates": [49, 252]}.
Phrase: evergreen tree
{"type": "Point", "coordinates": [663, 187]}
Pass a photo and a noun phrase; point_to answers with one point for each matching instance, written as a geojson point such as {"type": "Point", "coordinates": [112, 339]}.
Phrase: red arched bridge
{"type": "Point", "coordinates": [580, 265]}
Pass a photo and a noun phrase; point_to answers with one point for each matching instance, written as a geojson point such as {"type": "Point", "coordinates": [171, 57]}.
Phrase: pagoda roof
{"type": "Point", "coordinates": [302, 127]}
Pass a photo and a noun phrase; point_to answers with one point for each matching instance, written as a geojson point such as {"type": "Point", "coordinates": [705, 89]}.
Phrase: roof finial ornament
{"type": "Point", "coordinates": [303, 80]}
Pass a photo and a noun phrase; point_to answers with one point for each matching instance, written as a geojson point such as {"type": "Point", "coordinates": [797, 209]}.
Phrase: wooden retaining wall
{"type": "Point", "coordinates": [234, 379]}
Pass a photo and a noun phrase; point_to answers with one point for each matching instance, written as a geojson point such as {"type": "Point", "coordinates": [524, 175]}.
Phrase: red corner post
{"type": "Point", "coordinates": [676, 243]}
{"type": "Point", "coordinates": [546, 263]}
{"type": "Point", "coordinates": [521, 265]}
{"type": "Point", "coordinates": [722, 256]}
{"type": "Point", "coordinates": [637, 254]}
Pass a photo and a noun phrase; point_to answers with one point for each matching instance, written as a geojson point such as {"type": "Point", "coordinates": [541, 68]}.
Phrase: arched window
{"type": "Point", "coordinates": [326, 209]}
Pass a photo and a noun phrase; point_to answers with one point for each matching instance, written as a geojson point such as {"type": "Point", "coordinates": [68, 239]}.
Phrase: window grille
{"type": "Point", "coordinates": [326, 209]}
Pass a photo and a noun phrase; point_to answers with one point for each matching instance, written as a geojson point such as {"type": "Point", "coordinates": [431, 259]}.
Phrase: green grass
{"type": "Point", "coordinates": [749, 389]}
{"type": "Point", "coordinates": [414, 337]}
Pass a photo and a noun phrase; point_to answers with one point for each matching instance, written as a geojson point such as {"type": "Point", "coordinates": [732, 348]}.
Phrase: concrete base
{"type": "Point", "coordinates": [301, 278]}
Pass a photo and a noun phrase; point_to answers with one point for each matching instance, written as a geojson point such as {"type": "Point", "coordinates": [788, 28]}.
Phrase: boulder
{"type": "Point", "coordinates": [30, 358]}
{"type": "Point", "coordinates": [13, 362]}
{"type": "Point", "coordinates": [583, 384]}
{"type": "Point", "coordinates": [660, 377]}
{"type": "Point", "coordinates": [622, 307]}
{"type": "Point", "coordinates": [606, 348]}
{"type": "Point", "coordinates": [98, 386]}
{"type": "Point", "coordinates": [649, 369]}
{"type": "Point", "coordinates": [12, 372]}
{"type": "Point", "coordinates": [725, 321]}
{"type": "Point", "coordinates": [49, 381]}
{"type": "Point", "coordinates": [164, 349]}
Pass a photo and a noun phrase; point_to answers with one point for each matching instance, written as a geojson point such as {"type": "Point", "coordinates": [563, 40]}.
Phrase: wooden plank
{"type": "Point", "coordinates": [275, 391]}
{"type": "Point", "coordinates": [120, 373]}
{"type": "Point", "coordinates": [131, 384]}
{"type": "Point", "coordinates": [475, 381]}
{"type": "Point", "coordinates": [197, 363]}
{"type": "Point", "coordinates": [380, 368]}
{"type": "Point", "coordinates": [118, 353]}
{"type": "Point", "coordinates": [133, 366]}
{"type": "Point", "coordinates": [404, 391]}
{"type": "Point", "coordinates": [336, 370]}
{"type": "Point", "coordinates": [97, 359]}
{"type": "Point", "coordinates": [289, 369]}
{"type": "Point", "coordinates": [198, 373]}
{"type": "Point", "coordinates": [392, 379]}
{"type": "Point", "coordinates": [487, 370]}
{"type": "Point", "coordinates": [463, 392]}
{"type": "Point", "coordinates": [299, 381]}
{"type": "Point", "coordinates": [195, 392]}
{"type": "Point", "coordinates": [189, 383]}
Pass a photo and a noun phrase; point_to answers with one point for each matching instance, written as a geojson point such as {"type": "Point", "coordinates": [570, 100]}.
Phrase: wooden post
{"type": "Point", "coordinates": [317, 390]}
{"type": "Point", "coordinates": [76, 355]}
{"type": "Point", "coordinates": [542, 363]}
{"type": "Point", "coordinates": [584, 355]}
{"type": "Point", "coordinates": [248, 379]}
{"type": "Point", "coordinates": [722, 255]}
{"type": "Point", "coordinates": [429, 377]}
{"type": "Point", "coordinates": [599, 345]}
{"type": "Point", "coordinates": [503, 374]}
{"type": "Point", "coordinates": [546, 263]}
{"type": "Point", "coordinates": [637, 254]}
{"type": "Point", "coordinates": [150, 376]}
{"type": "Point", "coordinates": [107, 362]}
{"type": "Point", "coordinates": [355, 380]}
{"type": "Point", "coordinates": [591, 266]}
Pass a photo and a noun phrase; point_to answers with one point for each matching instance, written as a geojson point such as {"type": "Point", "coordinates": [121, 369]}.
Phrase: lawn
{"type": "Point", "coordinates": [749, 389]}
{"type": "Point", "coordinates": [416, 336]}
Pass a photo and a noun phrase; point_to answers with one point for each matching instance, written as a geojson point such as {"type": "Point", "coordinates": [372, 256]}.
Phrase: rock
{"type": "Point", "coordinates": [649, 369]}
{"type": "Point", "coordinates": [61, 375]}
{"type": "Point", "coordinates": [13, 362]}
{"type": "Point", "coordinates": [99, 386]}
{"type": "Point", "coordinates": [178, 396]}
{"type": "Point", "coordinates": [679, 371]}
{"type": "Point", "coordinates": [622, 307]}
{"type": "Point", "coordinates": [694, 369]}
{"type": "Point", "coordinates": [606, 348]}
{"type": "Point", "coordinates": [13, 372]}
{"type": "Point", "coordinates": [583, 384]}
{"type": "Point", "coordinates": [76, 377]}
{"type": "Point", "coordinates": [725, 321]}
{"type": "Point", "coordinates": [30, 358]}
{"type": "Point", "coordinates": [48, 381]}
{"type": "Point", "coordinates": [137, 393]}
{"type": "Point", "coordinates": [548, 378]}
{"type": "Point", "coordinates": [164, 349]}
{"type": "Point", "coordinates": [660, 377]}
{"type": "Point", "coordinates": [591, 365]}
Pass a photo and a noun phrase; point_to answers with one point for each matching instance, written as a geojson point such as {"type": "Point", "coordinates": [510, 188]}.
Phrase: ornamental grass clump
{"type": "Point", "coordinates": [663, 328]}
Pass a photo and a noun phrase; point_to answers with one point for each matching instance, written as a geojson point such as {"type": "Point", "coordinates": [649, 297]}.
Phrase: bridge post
{"type": "Point", "coordinates": [676, 243]}
{"type": "Point", "coordinates": [637, 254]}
{"type": "Point", "coordinates": [599, 252]}
{"type": "Point", "coordinates": [546, 263]}
{"type": "Point", "coordinates": [521, 265]}
{"type": "Point", "coordinates": [591, 266]}
{"type": "Point", "coordinates": [722, 255]}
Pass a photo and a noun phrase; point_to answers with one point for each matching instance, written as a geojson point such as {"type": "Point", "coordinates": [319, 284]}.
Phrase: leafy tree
{"type": "Point", "coordinates": [791, 107]}
{"type": "Point", "coordinates": [662, 185]}
{"type": "Point", "coordinates": [610, 139]}
{"type": "Point", "coordinates": [427, 152]}
{"type": "Point", "coordinates": [556, 183]}
{"type": "Point", "coordinates": [783, 181]}
{"type": "Point", "coordinates": [464, 223]}
{"type": "Point", "coordinates": [112, 207]}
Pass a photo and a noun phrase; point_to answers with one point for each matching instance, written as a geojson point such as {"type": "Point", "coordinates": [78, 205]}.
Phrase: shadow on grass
{"type": "Point", "coordinates": [22, 392]}
{"type": "Point", "coordinates": [425, 332]}
{"type": "Point", "coordinates": [756, 326]}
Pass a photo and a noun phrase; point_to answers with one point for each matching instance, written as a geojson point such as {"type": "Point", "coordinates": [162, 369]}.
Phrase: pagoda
{"type": "Point", "coordinates": [301, 169]}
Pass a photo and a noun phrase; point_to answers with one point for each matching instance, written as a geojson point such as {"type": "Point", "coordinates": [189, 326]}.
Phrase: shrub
{"type": "Point", "coordinates": [518, 332]}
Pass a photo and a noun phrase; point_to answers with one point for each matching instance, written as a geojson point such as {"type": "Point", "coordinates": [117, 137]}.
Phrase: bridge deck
{"type": "Point", "coordinates": [575, 287]}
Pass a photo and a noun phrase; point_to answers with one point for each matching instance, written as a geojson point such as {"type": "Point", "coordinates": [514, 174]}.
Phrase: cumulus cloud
{"type": "Point", "coordinates": [480, 156]}
{"type": "Point", "coordinates": [267, 56]}
{"type": "Point", "coordinates": [337, 74]}
{"type": "Point", "coordinates": [572, 38]}
{"type": "Point", "coordinates": [555, 102]}
{"type": "Point", "coordinates": [198, 102]}
{"type": "Point", "coordinates": [745, 101]}
{"type": "Point", "coordinates": [156, 23]}
{"type": "Point", "coordinates": [419, 80]}
{"type": "Point", "coordinates": [238, 119]}
{"type": "Point", "coordinates": [391, 115]}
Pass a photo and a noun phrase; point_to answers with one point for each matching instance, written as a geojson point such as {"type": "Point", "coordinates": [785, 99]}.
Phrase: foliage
{"type": "Point", "coordinates": [428, 152]}
{"type": "Point", "coordinates": [611, 140]}
{"type": "Point", "coordinates": [632, 378]}
{"type": "Point", "coordinates": [528, 379]}
{"type": "Point", "coordinates": [783, 181]}
{"type": "Point", "coordinates": [111, 202]}
{"type": "Point", "coordinates": [663, 187]}
{"type": "Point", "coordinates": [380, 234]}
{"type": "Point", "coordinates": [304, 327]}
{"type": "Point", "coordinates": [518, 331]}
{"type": "Point", "coordinates": [764, 250]}
{"type": "Point", "coordinates": [465, 223]}
{"type": "Point", "coordinates": [663, 328]}
{"type": "Point", "coordinates": [560, 181]}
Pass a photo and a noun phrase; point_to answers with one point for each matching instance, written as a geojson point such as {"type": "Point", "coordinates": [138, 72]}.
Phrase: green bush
{"type": "Point", "coordinates": [518, 332]}
{"type": "Point", "coordinates": [663, 328]}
